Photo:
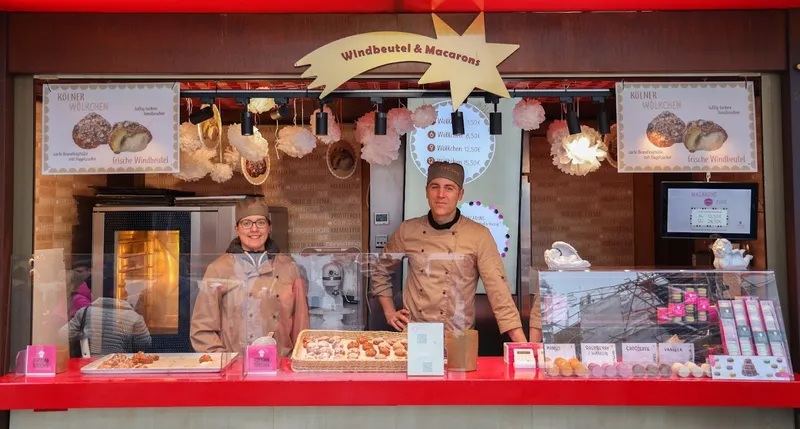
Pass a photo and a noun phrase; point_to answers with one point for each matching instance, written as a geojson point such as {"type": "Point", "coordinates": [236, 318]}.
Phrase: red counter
{"type": "Point", "coordinates": [492, 384]}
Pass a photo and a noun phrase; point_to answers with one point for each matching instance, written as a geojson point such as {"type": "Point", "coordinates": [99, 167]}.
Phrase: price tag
{"type": "Point", "coordinates": [555, 351]}
{"type": "Point", "coordinates": [671, 353]}
{"type": "Point", "coordinates": [425, 349]}
{"type": "Point", "coordinates": [598, 353]}
{"type": "Point", "coordinates": [262, 359]}
{"type": "Point", "coordinates": [640, 352]}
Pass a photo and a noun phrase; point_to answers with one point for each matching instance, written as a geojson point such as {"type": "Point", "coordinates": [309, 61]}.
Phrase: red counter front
{"type": "Point", "coordinates": [493, 384]}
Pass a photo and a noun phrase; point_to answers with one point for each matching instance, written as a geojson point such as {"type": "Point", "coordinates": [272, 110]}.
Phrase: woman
{"type": "Point", "coordinates": [111, 326]}
{"type": "Point", "coordinates": [250, 291]}
{"type": "Point", "coordinates": [80, 294]}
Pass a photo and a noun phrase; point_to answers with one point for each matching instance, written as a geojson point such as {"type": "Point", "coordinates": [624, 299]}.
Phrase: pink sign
{"type": "Point", "coordinates": [702, 304]}
{"type": "Point", "coordinates": [40, 361]}
{"type": "Point", "coordinates": [676, 310]}
{"type": "Point", "coordinates": [690, 298]}
{"type": "Point", "coordinates": [262, 359]}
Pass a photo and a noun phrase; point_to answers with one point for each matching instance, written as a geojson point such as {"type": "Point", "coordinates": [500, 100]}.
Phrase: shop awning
{"type": "Point", "coordinates": [382, 6]}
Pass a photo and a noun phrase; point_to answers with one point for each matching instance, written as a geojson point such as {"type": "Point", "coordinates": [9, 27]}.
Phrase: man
{"type": "Point", "coordinates": [447, 254]}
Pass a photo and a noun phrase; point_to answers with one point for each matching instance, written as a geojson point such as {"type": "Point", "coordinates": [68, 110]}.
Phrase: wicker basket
{"type": "Point", "coordinates": [342, 365]}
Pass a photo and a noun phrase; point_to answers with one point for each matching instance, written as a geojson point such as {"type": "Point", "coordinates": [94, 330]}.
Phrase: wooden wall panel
{"type": "Point", "coordinates": [656, 42]}
{"type": "Point", "coordinates": [593, 213]}
{"type": "Point", "coordinates": [323, 211]}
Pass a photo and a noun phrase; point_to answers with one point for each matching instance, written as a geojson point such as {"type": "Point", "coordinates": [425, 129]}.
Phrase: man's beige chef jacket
{"type": "Point", "coordinates": [444, 266]}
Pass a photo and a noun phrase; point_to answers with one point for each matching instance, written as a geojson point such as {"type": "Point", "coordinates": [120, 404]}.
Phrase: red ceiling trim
{"type": "Point", "coordinates": [382, 6]}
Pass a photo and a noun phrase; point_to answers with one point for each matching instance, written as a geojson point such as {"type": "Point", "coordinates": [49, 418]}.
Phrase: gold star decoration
{"type": "Point", "coordinates": [465, 60]}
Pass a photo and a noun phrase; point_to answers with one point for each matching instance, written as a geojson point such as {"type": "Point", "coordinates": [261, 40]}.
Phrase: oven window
{"type": "Point", "coordinates": [147, 276]}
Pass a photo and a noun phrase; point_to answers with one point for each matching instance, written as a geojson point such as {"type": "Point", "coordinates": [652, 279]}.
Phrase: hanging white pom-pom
{"type": "Point", "coordinates": [253, 147]}
{"type": "Point", "coordinates": [334, 129]}
{"type": "Point", "coordinates": [424, 116]}
{"type": "Point", "coordinates": [528, 114]}
{"type": "Point", "coordinates": [556, 132]}
{"type": "Point", "coordinates": [579, 155]}
{"type": "Point", "coordinates": [365, 127]}
{"type": "Point", "coordinates": [189, 137]}
{"type": "Point", "coordinates": [221, 172]}
{"type": "Point", "coordinates": [232, 157]}
{"type": "Point", "coordinates": [381, 150]}
{"type": "Point", "coordinates": [261, 105]}
{"type": "Point", "coordinates": [401, 120]}
{"type": "Point", "coordinates": [296, 141]}
{"type": "Point", "coordinates": [195, 165]}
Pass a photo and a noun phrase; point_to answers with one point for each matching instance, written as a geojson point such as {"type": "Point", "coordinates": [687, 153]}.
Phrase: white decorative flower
{"type": "Point", "coordinates": [253, 147]}
{"type": "Point", "coordinates": [424, 116]}
{"type": "Point", "coordinates": [401, 120]}
{"type": "Point", "coordinates": [528, 114]}
{"type": "Point", "coordinates": [221, 172]}
{"type": "Point", "coordinates": [296, 141]}
{"type": "Point", "coordinates": [261, 105]}
{"type": "Point", "coordinates": [195, 165]}
{"type": "Point", "coordinates": [578, 155]}
{"type": "Point", "coordinates": [381, 150]}
{"type": "Point", "coordinates": [189, 137]}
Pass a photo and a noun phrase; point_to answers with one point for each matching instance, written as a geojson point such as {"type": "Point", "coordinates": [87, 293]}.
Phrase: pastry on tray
{"type": "Point", "coordinates": [358, 347]}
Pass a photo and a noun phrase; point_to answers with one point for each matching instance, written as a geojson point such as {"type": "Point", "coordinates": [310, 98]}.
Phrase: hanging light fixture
{"type": "Point", "coordinates": [495, 118]}
{"type": "Point", "coordinates": [380, 119]}
{"type": "Point", "coordinates": [203, 114]}
{"type": "Point", "coordinates": [321, 128]}
{"type": "Point", "coordinates": [573, 125]}
{"type": "Point", "coordinates": [247, 118]}
{"type": "Point", "coordinates": [457, 120]}
{"type": "Point", "coordinates": [602, 117]}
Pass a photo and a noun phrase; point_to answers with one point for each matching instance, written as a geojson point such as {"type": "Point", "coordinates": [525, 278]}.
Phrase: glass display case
{"type": "Point", "coordinates": [663, 324]}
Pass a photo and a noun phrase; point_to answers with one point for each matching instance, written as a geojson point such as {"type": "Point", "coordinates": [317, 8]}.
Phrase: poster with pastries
{"type": "Point", "coordinates": [686, 127]}
{"type": "Point", "coordinates": [110, 128]}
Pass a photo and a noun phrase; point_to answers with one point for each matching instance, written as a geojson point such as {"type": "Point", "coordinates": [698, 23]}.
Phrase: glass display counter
{"type": "Point", "coordinates": [660, 324]}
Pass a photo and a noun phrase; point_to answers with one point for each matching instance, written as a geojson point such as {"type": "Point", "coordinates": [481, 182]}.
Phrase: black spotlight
{"type": "Point", "coordinates": [380, 122]}
{"type": "Point", "coordinates": [602, 121]}
{"type": "Point", "coordinates": [281, 112]}
{"type": "Point", "coordinates": [457, 119]}
{"type": "Point", "coordinates": [572, 122]}
{"type": "Point", "coordinates": [247, 122]}
{"type": "Point", "coordinates": [321, 117]}
{"type": "Point", "coordinates": [202, 115]}
{"type": "Point", "coordinates": [496, 118]}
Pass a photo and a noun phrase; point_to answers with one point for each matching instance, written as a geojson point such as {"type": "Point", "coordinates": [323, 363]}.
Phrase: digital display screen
{"type": "Point", "coordinates": [709, 210]}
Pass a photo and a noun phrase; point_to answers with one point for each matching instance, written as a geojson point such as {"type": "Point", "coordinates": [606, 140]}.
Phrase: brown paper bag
{"type": "Point", "coordinates": [462, 350]}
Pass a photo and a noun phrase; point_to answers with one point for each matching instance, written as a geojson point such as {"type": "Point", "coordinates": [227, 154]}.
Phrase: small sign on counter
{"type": "Point", "coordinates": [40, 361]}
{"type": "Point", "coordinates": [640, 352]}
{"type": "Point", "coordinates": [555, 351]}
{"type": "Point", "coordinates": [671, 353]}
{"type": "Point", "coordinates": [425, 349]}
{"type": "Point", "coordinates": [598, 353]}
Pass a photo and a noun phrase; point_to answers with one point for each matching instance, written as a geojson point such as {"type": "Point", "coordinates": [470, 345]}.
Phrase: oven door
{"type": "Point", "coordinates": [145, 261]}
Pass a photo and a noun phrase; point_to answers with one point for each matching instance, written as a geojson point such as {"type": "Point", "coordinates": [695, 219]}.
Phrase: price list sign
{"type": "Point", "coordinates": [706, 217]}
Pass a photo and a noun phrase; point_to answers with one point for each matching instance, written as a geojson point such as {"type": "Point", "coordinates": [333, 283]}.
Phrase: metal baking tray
{"type": "Point", "coordinates": [168, 363]}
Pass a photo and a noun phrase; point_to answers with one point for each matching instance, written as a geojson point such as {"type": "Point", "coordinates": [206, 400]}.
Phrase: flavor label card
{"type": "Point", "coordinates": [598, 353]}
{"type": "Point", "coordinates": [671, 353]}
{"type": "Point", "coordinates": [640, 352]}
{"type": "Point", "coordinates": [262, 360]}
{"type": "Point", "coordinates": [763, 368]}
{"type": "Point", "coordinates": [555, 351]}
{"type": "Point", "coordinates": [425, 349]}
{"type": "Point", "coordinates": [40, 361]}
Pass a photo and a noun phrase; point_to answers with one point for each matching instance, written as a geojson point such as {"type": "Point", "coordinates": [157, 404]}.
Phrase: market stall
{"type": "Point", "coordinates": [166, 163]}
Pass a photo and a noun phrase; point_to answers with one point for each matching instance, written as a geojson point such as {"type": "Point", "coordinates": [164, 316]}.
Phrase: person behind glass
{"type": "Point", "coordinates": [447, 254]}
{"type": "Point", "coordinates": [250, 291]}
{"type": "Point", "coordinates": [80, 294]}
{"type": "Point", "coordinates": [111, 326]}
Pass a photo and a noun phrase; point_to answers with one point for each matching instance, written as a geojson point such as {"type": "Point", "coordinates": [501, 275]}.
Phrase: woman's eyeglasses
{"type": "Point", "coordinates": [247, 224]}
